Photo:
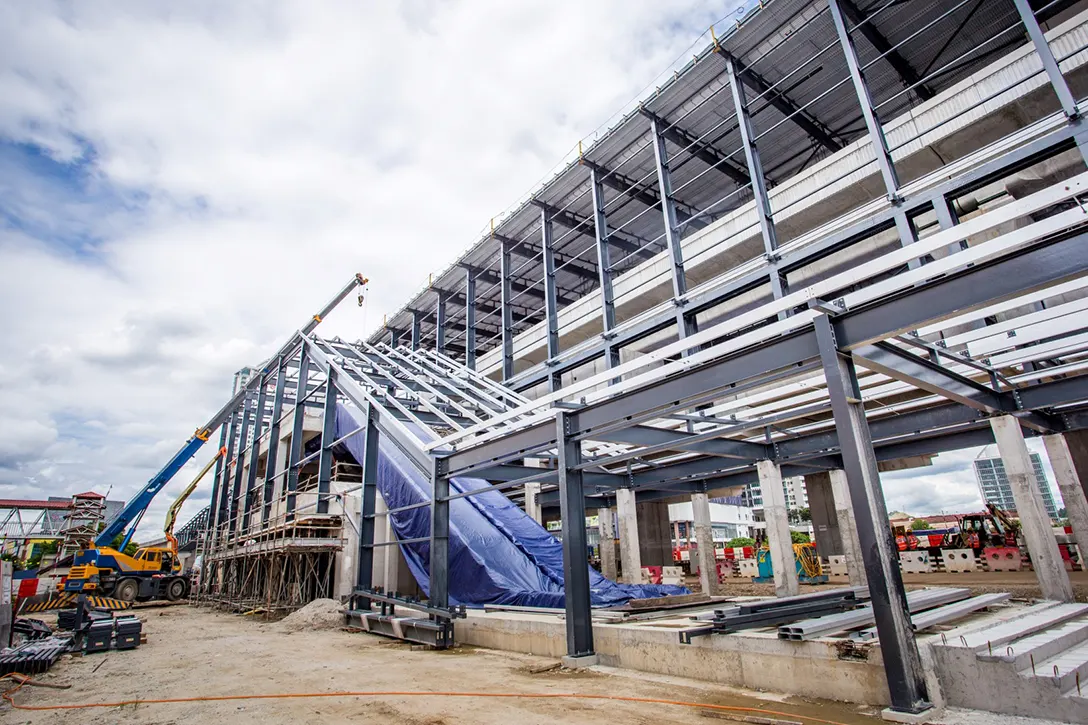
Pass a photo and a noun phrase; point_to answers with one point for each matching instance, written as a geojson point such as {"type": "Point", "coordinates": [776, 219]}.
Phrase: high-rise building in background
{"type": "Point", "coordinates": [793, 487]}
{"type": "Point", "coordinates": [993, 482]}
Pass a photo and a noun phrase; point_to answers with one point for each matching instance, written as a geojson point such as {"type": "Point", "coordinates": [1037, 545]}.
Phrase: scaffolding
{"type": "Point", "coordinates": [785, 262]}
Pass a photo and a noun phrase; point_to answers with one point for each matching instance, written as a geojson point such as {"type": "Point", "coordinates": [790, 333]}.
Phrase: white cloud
{"type": "Point", "coordinates": [183, 184]}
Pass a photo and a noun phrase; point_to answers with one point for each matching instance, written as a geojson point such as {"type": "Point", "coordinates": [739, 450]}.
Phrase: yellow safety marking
{"type": "Point", "coordinates": [317, 318]}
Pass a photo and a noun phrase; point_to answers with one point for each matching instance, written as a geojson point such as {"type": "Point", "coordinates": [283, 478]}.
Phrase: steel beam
{"type": "Point", "coordinates": [604, 268]}
{"type": "Point", "coordinates": [701, 150]}
{"type": "Point", "coordinates": [507, 323]}
{"type": "Point", "coordinates": [417, 318]}
{"type": "Point", "coordinates": [573, 513]}
{"type": "Point", "coordinates": [243, 434]}
{"type": "Point", "coordinates": [439, 590]}
{"type": "Point", "coordinates": [894, 58]}
{"type": "Point", "coordinates": [295, 449]}
{"type": "Point", "coordinates": [902, 662]}
{"type": "Point", "coordinates": [470, 320]}
{"type": "Point", "coordinates": [583, 225]}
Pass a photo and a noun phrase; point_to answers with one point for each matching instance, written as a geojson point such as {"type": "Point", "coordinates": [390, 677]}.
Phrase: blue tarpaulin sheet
{"type": "Point", "coordinates": [498, 554]}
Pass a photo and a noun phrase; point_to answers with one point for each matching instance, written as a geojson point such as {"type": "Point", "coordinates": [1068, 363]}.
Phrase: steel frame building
{"type": "Point", "coordinates": [843, 234]}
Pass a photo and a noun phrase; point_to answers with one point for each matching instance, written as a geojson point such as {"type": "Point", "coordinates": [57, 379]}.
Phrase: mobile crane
{"type": "Point", "coordinates": [155, 572]}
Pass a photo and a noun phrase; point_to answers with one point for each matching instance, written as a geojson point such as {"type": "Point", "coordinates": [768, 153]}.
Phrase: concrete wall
{"type": "Point", "coordinates": [809, 669]}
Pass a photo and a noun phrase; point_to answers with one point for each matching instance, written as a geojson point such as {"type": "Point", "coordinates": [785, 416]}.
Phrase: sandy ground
{"type": "Point", "coordinates": [194, 652]}
{"type": "Point", "coordinates": [1021, 584]}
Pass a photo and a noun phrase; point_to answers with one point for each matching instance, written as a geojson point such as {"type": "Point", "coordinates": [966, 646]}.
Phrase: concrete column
{"type": "Point", "coordinates": [532, 502]}
{"type": "Point", "coordinates": [778, 529]}
{"type": "Point", "coordinates": [1034, 521]}
{"type": "Point", "coordinates": [821, 506]}
{"type": "Point", "coordinates": [1071, 488]}
{"type": "Point", "coordinates": [382, 532]}
{"type": "Point", "coordinates": [704, 540]}
{"type": "Point", "coordinates": [654, 534]}
{"type": "Point", "coordinates": [607, 532]}
{"type": "Point", "coordinates": [630, 557]}
{"type": "Point", "coordinates": [848, 528]}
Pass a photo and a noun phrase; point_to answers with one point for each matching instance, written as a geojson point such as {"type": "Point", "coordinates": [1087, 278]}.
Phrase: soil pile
{"type": "Point", "coordinates": [318, 614]}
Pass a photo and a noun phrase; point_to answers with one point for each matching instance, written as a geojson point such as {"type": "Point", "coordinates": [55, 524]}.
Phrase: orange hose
{"type": "Point", "coordinates": [9, 697]}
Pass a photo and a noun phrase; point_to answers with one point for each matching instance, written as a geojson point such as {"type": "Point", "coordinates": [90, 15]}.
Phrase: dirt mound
{"type": "Point", "coordinates": [318, 614]}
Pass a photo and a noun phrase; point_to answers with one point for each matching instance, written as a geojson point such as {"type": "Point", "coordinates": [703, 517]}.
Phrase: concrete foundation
{"type": "Point", "coordinates": [1070, 486]}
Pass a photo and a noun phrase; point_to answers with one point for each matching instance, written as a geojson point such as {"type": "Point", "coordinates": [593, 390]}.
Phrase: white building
{"type": "Point", "coordinates": [729, 519]}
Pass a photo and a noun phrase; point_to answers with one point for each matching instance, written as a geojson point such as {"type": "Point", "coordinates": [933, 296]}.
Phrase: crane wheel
{"type": "Point", "coordinates": [176, 589]}
{"type": "Point", "coordinates": [127, 590]}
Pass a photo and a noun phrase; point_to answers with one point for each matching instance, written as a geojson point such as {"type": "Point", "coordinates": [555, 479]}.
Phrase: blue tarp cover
{"type": "Point", "coordinates": [498, 554]}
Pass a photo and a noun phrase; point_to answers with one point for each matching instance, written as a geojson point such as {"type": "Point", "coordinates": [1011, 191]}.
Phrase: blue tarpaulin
{"type": "Point", "coordinates": [498, 554]}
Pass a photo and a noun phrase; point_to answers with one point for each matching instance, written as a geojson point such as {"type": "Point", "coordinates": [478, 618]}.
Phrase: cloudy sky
{"type": "Point", "coordinates": [182, 184]}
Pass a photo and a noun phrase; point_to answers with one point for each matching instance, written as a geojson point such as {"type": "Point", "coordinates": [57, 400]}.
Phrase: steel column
{"type": "Point", "coordinates": [759, 182]}
{"type": "Point", "coordinates": [902, 663]}
{"type": "Point", "coordinates": [236, 489]}
{"type": "Point", "coordinates": [685, 324]}
{"type": "Point", "coordinates": [213, 510]}
{"type": "Point", "coordinates": [417, 318]}
{"type": "Point", "coordinates": [572, 508]}
{"type": "Point", "coordinates": [1046, 55]}
{"type": "Point", "coordinates": [297, 432]}
{"type": "Point", "coordinates": [877, 139]}
{"type": "Point", "coordinates": [470, 320]}
{"type": "Point", "coordinates": [224, 490]}
{"type": "Point", "coordinates": [604, 270]}
{"type": "Point", "coordinates": [273, 441]}
{"type": "Point", "coordinates": [328, 435]}
{"type": "Point", "coordinates": [507, 318]}
{"type": "Point", "coordinates": [551, 309]}
{"type": "Point", "coordinates": [367, 521]}
{"type": "Point", "coordinates": [439, 594]}
{"type": "Point", "coordinates": [255, 450]}
{"type": "Point", "coordinates": [440, 324]}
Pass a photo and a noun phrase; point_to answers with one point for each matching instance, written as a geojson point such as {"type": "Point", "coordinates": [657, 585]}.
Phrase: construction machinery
{"type": "Point", "coordinates": [155, 572]}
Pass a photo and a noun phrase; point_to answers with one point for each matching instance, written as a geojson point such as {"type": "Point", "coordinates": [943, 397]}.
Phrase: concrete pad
{"type": "Point", "coordinates": [579, 662]}
{"type": "Point", "coordinates": [924, 716]}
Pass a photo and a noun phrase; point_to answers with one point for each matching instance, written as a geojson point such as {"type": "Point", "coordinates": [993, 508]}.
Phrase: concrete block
{"type": "Point", "coordinates": [958, 560]}
{"type": "Point", "coordinates": [1002, 558]}
{"type": "Point", "coordinates": [672, 575]}
{"type": "Point", "coordinates": [748, 568]}
{"type": "Point", "coordinates": [915, 562]}
{"type": "Point", "coordinates": [579, 662]}
{"type": "Point", "coordinates": [836, 565]}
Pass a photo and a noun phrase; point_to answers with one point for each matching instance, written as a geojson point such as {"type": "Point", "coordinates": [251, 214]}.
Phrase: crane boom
{"type": "Point", "coordinates": [135, 508]}
{"type": "Point", "coordinates": [172, 512]}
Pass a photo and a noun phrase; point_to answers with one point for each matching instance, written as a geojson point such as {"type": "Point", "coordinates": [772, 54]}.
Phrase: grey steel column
{"type": "Point", "coordinates": [236, 489]}
{"type": "Point", "coordinates": [876, 130]}
{"type": "Point", "coordinates": [604, 269]}
{"type": "Point", "coordinates": [224, 490]}
{"type": "Point", "coordinates": [255, 450]}
{"type": "Point", "coordinates": [273, 441]}
{"type": "Point", "coordinates": [902, 663]}
{"type": "Point", "coordinates": [470, 320]}
{"type": "Point", "coordinates": [295, 453]}
{"type": "Point", "coordinates": [1050, 63]}
{"type": "Point", "coordinates": [440, 324]}
{"type": "Point", "coordinates": [213, 512]}
{"type": "Point", "coordinates": [685, 324]}
{"type": "Point", "coordinates": [507, 315]}
{"type": "Point", "coordinates": [572, 507]}
{"type": "Point", "coordinates": [328, 435]}
{"type": "Point", "coordinates": [551, 309]}
{"type": "Point", "coordinates": [416, 317]}
{"type": "Point", "coordinates": [759, 180]}
{"type": "Point", "coordinates": [367, 523]}
{"type": "Point", "coordinates": [439, 595]}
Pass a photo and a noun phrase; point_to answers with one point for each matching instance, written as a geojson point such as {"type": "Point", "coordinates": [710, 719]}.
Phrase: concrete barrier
{"type": "Point", "coordinates": [957, 560]}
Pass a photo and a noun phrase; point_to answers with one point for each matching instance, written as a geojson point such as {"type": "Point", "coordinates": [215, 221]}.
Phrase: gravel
{"type": "Point", "coordinates": [317, 615]}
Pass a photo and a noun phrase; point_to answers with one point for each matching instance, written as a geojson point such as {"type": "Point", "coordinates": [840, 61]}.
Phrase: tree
{"type": "Point", "coordinates": [920, 525]}
{"type": "Point", "coordinates": [130, 550]}
{"type": "Point", "coordinates": [800, 516]}
{"type": "Point", "coordinates": [799, 537]}
{"type": "Point", "coordinates": [739, 542]}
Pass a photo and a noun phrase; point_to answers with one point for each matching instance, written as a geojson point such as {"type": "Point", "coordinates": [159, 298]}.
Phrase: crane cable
{"type": "Point", "coordinates": [22, 680]}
